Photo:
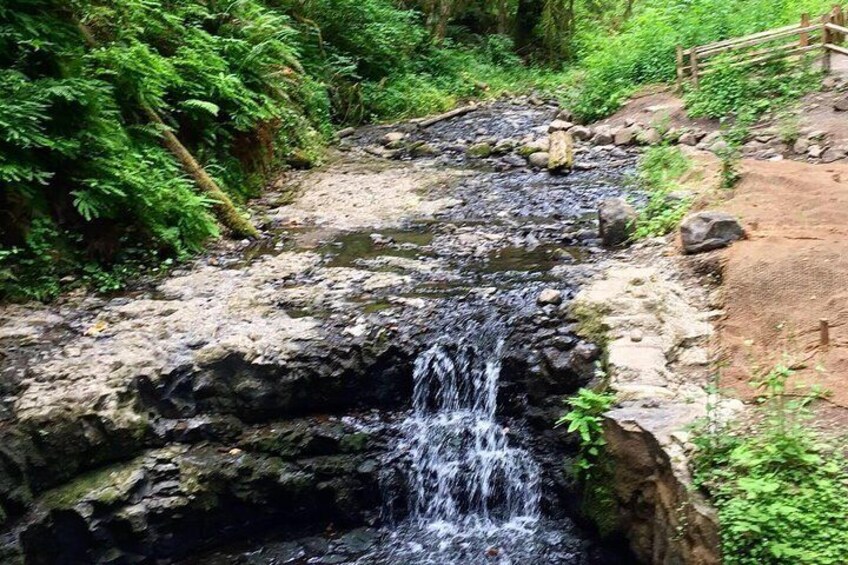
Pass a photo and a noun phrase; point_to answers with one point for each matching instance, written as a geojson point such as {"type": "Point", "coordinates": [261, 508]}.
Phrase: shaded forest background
{"type": "Point", "coordinates": [90, 89]}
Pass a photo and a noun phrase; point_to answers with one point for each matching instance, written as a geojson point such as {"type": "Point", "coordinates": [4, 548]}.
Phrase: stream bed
{"type": "Point", "coordinates": [379, 395]}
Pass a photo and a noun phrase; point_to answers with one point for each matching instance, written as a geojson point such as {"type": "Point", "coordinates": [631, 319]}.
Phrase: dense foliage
{"type": "Point", "coordinates": [89, 193]}
{"type": "Point", "coordinates": [643, 50]}
{"type": "Point", "coordinates": [781, 492]}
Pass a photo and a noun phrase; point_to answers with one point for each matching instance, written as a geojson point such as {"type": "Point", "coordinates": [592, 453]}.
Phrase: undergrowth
{"type": "Point", "coordinates": [781, 492]}
{"type": "Point", "coordinates": [660, 169]}
{"type": "Point", "coordinates": [613, 65]}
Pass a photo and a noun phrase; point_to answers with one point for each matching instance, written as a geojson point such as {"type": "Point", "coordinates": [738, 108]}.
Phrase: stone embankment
{"type": "Point", "coordinates": [657, 323]}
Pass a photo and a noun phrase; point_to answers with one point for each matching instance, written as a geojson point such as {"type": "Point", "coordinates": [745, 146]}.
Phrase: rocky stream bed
{"type": "Point", "coordinates": [250, 408]}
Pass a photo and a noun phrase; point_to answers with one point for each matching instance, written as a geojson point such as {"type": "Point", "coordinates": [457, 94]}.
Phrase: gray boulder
{"type": "Point", "coordinates": [650, 137]}
{"type": "Point", "coordinates": [559, 125]}
{"type": "Point", "coordinates": [617, 221]}
{"type": "Point", "coordinates": [580, 133]}
{"type": "Point", "coordinates": [841, 105]}
{"type": "Point", "coordinates": [539, 159]}
{"type": "Point", "coordinates": [705, 231]}
{"type": "Point", "coordinates": [688, 138]}
{"type": "Point", "coordinates": [603, 136]}
{"type": "Point", "coordinates": [627, 135]}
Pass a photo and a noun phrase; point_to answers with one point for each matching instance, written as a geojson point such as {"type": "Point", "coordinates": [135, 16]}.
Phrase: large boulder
{"type": "Point", "coordinates": [580, 133]}
{"type": "Point", "coordinates": [561, 152]}
{"type": "Point", "coordinates": [617, 221]}
{"type": "Point", "coordinates": [559, 125]}
{"type": "Point", "coordinates": [709, 230]}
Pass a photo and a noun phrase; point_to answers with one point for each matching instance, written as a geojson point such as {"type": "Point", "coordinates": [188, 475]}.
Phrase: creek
{"type": "Point", "coordinates": [380, 395]}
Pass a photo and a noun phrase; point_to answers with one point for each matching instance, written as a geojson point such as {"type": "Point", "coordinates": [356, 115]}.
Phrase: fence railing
{"type": "Point", "coordinates": [789, 42]}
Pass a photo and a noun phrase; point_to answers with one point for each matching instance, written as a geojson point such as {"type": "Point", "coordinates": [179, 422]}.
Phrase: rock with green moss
{"type": "Point", "coordinates": [479, 150]}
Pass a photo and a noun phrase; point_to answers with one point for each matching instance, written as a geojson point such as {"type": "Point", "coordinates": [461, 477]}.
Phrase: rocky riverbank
{"type": "Point", "coordinates": [257, 390]}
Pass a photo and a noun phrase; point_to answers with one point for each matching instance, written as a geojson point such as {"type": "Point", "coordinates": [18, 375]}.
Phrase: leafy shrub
{"type": "Point", "coordinates": [659, 170]}
{"type": "Point", "coordinates": [585, 418]}
{"type": "Point", "coordinates": [613, 65]}
{"type": "Point", "coordinates": [782, 495]}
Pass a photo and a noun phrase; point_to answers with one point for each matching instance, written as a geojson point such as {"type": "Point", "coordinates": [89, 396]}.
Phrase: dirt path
{"type": "Point", "coordinates": [791, 273]}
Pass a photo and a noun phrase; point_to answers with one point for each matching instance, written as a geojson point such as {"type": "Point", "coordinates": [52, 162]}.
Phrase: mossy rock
{"type": "Point", "coordinates": [591, 322]}
{"type": "Point", "coordinates": [480, 150]}
{"type": "Point", "coordinates": [105, 486]}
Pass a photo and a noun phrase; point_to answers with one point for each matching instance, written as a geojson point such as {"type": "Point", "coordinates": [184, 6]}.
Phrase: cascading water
{"type": "Point", "coordinates": [464, 475]}
{"type": "Point", "coordinates": [473, 494]}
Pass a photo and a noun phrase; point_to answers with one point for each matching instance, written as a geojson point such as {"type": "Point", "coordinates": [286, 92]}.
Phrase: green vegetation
{"type": "Point", "coordinates": [781, 492]}
{"type": "Point", "coordinates": [641, 49]}
{"type": "Point", "coordinates": [585, 418]}
{"type": "Point", "coordinates": [95, 190]}
{"type": "Point", "coordinates": [121, 120]}
{"type": "Point", "coordinates": [660, 170]}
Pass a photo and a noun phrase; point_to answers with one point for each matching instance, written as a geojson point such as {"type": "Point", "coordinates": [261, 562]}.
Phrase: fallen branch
{"type": "Point", "coordinates": [225, 211]}
{"type": "Point", "coordinates": [447, 115]}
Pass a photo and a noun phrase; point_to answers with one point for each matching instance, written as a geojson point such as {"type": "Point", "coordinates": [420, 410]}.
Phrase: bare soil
{"type": "Point", "coordinates": [791, 273]}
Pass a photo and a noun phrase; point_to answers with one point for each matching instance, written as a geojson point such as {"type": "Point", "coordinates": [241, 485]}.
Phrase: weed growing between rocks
{"type": "Point", "coordinates": [781, 492]}
{"type": "Point", "coordinates": [660, 169]}
{"type": "Point", "coordinates": [595, 472]}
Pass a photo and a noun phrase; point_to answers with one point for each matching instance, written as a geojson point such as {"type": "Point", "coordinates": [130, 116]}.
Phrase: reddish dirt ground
{"type": "Point", "coordinates": [791, 273]}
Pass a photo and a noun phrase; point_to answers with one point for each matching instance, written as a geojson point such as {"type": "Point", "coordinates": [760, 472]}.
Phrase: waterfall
{"type": "Point", "coordinates": [464, 475]}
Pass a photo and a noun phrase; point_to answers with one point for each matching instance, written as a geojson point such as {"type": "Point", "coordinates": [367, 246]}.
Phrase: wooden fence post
{"type": "Point", "coordinates": [804, 38]}
{"type": "Point", "coordinates": [825, 41]}
{"type": "Point", "coordinates": [839, 19]}
{"type": "Point", "coordinates": [679, 68]}
{"type": "Point", "coordinates": [693, 66]}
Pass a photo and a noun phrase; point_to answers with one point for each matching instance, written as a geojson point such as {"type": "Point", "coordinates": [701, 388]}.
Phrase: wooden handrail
{"type": "Point", "coordinates": [753, 54]}
{"type": "Point", "coordinates": [826, 35]}
{"type": "Point", "coordinates": [836, 49]}
{"type": "Point", "coordinates": [766, 58]}
{"type": "Point", "coordinates": [796, 30]}
{"type": "Point", "coordinates": [726, 42]}
{"type": "Point", "coordinates": [836, 28]}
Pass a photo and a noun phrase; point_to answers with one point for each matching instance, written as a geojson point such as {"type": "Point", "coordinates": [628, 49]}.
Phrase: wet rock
{"type": "Point", "coordinates": [616, 220]}
{"type": "Point", "coordinates": [503, 146]}
{"type": "Point", "coordinates": [559, 125]}
{"type": "Point", "coordinates": [539, 160]}
{"type": "Point", "coordinates": [535, 146]}
{"type": "Point", "coordinates": [393, 138]}
{"type": "Point", "coordinates": [708, 230]}
{"type": "Point", "coordinates": [549, 296]}
{"type": "Point", "coordinates": [423, 150]}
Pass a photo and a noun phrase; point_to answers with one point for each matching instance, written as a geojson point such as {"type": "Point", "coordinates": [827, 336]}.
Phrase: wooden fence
{"type": "Point", "coordinates": [789, 42]}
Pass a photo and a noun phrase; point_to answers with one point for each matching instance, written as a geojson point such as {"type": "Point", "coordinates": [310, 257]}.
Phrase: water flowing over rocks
{"type": "Point", "coordinates": [249, 407]}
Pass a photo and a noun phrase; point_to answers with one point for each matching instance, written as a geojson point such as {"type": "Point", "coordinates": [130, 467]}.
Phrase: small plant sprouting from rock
{"type": "Point", "coordinates": [781, 493]}
{"type": "Point", "coordinates": [586, 420]}
{"type": "Point", "coordinates": [660, 170]}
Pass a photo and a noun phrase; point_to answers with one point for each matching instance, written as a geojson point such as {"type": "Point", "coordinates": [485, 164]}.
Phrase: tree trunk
{"type": "Point", "coordinates": [225, 211]}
